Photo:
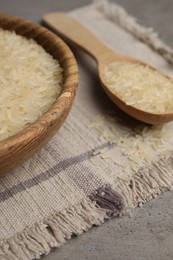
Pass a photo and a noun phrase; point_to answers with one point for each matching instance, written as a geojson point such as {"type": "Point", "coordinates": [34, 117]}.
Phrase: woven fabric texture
{"type": "Point", "coordinates": [86, 174]}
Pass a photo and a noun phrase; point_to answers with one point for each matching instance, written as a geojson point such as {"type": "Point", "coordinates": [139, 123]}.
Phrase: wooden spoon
{"type": "Point", "coordinates": [72, 30]}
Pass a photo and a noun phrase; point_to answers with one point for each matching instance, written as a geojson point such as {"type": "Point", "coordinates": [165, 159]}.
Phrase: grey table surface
{"type": "Point", "coordinates": [148, 234]}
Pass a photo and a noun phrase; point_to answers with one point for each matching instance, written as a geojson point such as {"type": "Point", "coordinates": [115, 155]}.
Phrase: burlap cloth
{"type": "Point", "coordinates": [94, 167]}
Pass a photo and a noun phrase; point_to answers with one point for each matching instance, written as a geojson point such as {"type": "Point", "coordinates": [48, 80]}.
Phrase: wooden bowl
{"type": "Point", "coordinates": [25, 143]}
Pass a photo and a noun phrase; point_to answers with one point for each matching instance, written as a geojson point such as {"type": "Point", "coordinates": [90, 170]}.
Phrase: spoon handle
{"type": "Point", "coordinates": [72, 30]}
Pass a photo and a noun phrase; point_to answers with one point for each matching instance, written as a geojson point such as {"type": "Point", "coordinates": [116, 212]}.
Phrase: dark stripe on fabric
{"type": "Point", "coordinates": [44, 176]}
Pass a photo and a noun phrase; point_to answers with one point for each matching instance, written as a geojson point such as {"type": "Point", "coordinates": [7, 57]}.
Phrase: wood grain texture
{"type": "Point", "coordinates": [25, 143]}
{"type": "Point", "coordinates": [71, 29]}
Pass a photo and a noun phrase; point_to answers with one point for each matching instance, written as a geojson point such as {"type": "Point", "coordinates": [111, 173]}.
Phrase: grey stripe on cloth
{"type": "Point", "coordinates": [44, 176]}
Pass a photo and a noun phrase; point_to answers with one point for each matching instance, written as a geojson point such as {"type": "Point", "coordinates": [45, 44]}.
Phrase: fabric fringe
{"type": "Point", "coordinates": [52, 232]}
{"type": "Point", "coordinates": [109, 199]}
{"type": "Point", "coordinates": [148, 183]}
{"type": "Point", "coordinates": [119, 15]}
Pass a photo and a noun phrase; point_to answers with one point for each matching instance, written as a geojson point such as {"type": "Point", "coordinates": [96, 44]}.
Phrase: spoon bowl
{"type": "Point", "coordinates": [141, 115]}
{"type": "Point", "coordinates": [72, 30]}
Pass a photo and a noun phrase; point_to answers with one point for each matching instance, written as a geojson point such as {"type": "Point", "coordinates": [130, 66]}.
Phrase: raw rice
{"type": "Point", "coordinates": [140, 86]}
{"type": "Point", "coordinates": [30, 82]}
{"type": "Point", "coordinates": [138, 145]}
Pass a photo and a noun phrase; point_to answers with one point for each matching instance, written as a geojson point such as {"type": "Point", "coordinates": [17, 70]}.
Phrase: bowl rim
{"type": "Point", "coordinates": [36, 129]}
